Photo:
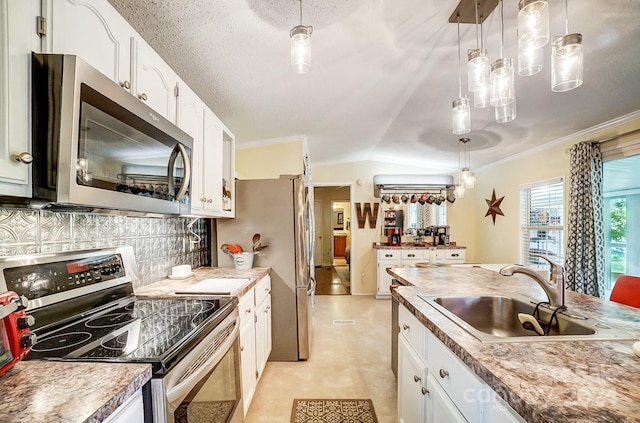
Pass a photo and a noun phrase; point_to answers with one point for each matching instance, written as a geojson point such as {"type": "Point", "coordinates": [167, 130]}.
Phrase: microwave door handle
{"type": "Point", "coordinates": [179, 149]}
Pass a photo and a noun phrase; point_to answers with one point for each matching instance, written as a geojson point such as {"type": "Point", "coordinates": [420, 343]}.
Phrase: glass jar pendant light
{"type": "Point", "coordinates": [530, 60]}
{"type": "Point", "coordinates": [566, 63]}
{"type": "Point", "coordinates": [566, 59]}
{"type": "Point", "coordinates": [460, 112]}
{"type": "Point", "coordinates": [533, 24]}
{"type": "Point", "coordinates": [478, 64]}
{"type": "Point", "coordinates": [467, 179]}
{"type": "Point", "coordinates": [301, 46]}
{"type": "Point", "coordinates": [502, 75]}
{"type": "Point", "coordinates": [506, 113]}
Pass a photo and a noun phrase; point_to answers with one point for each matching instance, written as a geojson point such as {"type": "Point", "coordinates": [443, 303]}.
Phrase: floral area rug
{"type": "Point", "coordinates": [333, 411]}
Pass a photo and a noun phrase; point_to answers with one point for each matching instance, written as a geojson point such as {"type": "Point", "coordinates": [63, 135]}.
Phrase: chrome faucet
{"type": "Point", "coordinates": [553, 288]}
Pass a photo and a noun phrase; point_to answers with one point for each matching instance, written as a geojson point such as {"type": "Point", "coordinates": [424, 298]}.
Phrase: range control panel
{"type": "Point", "coordinates": [40, 280]}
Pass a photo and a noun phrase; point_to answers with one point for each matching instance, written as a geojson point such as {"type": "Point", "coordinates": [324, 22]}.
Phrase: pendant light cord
{"type": "Point", "coordinates": [459, 63]}
{"type": "Point", "coordinates": [477, 42]}
{"type": "Point", "coordinates": [481, 34]}
{"type": "Point", "coordinates": [300, 12]}
{"type": "Point", "coordinates": [566, 17]}
{"type": "Point", "coordinates": [501, 28]}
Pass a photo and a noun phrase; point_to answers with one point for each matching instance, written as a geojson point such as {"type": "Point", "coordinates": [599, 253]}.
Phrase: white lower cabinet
{"type": "Point", "coordinates": [132, 410]}
{"type": "Point", "coordinates": [439, 407]}
{"type": "Point", "coordinates": [435, 386]}
{"type": "Point", "coordinates": [385, 261]}
{"type": "Point", "coordinates": [397, 257]}
{"type": "Point", "coordinates": [412, 386]}
{"type": "Point", "coordinates": [255, 337]}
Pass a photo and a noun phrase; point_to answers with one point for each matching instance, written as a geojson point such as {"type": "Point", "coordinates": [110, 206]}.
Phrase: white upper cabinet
{"type": "Point", "coordinates": [212, 164]}
{"type": "Point", "coordinates": [212, 155]}
{"type": "Point", "coordinates": [18, 39]}
{"type": "Point", "coordinates": [153, 81]}
{"type": "Point", "coordinates": [228, 173]}
{"type": "Point", "coordinates": [94, 31]}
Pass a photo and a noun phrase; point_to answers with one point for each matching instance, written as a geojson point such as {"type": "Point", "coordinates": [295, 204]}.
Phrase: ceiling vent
{"type": "Point", "coordinates": [411, 184]}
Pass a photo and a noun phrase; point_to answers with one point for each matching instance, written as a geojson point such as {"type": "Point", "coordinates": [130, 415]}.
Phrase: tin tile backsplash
{"type": "Point", "coordinates": [159, 244]}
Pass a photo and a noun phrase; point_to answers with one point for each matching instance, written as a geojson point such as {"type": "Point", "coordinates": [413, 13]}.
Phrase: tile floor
{"type": "Point", "coordinates": [347, 361]}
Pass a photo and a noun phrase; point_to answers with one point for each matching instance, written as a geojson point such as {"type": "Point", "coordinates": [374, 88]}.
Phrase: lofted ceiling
{"type": "Point", "coordinates": [384, 73]}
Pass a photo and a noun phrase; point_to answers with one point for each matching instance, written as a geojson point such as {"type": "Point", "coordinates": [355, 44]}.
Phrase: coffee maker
{"type": "Point", "coordinates": [395, 236]}
{"type": "Point", "coordinates": [441, 235]}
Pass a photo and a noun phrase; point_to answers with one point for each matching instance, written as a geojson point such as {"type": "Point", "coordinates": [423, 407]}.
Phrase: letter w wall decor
{"type": "Point", "coordinates": [363, 214]}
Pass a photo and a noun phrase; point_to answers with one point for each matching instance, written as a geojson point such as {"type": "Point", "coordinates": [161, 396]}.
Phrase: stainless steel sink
{"type": "Point", "coordinates": [495, 319]}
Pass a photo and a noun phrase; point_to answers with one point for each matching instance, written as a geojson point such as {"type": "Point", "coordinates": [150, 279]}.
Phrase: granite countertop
{"type": "Point", "coordinates": [577, 381]}
{"type": "Point", "coordinates": [412, 246]}
{"type": "Point", "coordinates": [67, 392]}
{"type": "Point", "coordinates": [168, 287]}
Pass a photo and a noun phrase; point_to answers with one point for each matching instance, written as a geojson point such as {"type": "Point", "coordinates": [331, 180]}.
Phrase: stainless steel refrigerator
{"type": "Point", "coordinates": [281, 211]}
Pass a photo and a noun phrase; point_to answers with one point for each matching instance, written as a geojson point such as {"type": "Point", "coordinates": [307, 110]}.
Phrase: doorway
{"type": "Point", "coordinates": [333, 239]}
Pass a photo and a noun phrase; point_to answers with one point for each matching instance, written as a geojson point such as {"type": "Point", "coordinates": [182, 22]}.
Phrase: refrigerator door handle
{"type": "Point", "coordinates": [311, 288]}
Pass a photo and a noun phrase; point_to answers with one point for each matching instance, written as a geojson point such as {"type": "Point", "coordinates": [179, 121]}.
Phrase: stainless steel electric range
{"type": "Point", "coordinates": [85, 310]}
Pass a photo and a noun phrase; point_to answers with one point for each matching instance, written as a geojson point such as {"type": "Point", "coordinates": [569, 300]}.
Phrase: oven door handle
{"type": "Point", "coordinates": [182, 388]}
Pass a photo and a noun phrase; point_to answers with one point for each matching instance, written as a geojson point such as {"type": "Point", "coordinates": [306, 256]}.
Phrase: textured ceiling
{"type": "Point", "coordinates": [384, 73]}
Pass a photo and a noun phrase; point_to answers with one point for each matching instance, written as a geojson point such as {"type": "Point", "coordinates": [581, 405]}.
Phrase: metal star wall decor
{"type": "Point", "coordinates": [494, 207]}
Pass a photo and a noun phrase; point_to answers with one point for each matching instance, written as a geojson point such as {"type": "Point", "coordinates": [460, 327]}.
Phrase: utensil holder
{"type": "Point", "coordinates": [243, 261]}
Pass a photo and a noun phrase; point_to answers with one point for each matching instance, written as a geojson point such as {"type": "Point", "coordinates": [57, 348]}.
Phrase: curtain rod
{"type": "Point", "coordinates": [619, 136]}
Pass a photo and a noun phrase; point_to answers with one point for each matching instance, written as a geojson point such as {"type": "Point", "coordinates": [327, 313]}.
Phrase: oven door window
{"type": "Point", "coordinates": [119, 151]}
{"type": "Point", "coordinates": [214, 398]}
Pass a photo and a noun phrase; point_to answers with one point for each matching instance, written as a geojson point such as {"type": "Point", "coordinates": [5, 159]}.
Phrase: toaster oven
{"type": "Point", "coordinates": [15, 337]}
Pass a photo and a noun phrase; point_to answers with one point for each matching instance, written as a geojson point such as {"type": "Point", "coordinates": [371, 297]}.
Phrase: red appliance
{"type": "Point", "coordinates": [16, 339]}
{"type": "Point", "coordinates": [395, 236]}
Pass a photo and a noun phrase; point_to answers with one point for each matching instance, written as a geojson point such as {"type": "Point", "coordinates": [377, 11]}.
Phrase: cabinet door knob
{"type": "Point", "coordinates": [425, 391]}
{"type": "Point", "coordinates": [268, 308]}
{"type": "Point", "coordinates": [23, 157]}
{"type": "Point", "coordinates": [248, 311]}
{"type": "Point", "coordinates": [416, 378]}
{"type": "Point", "coordinates": [443, 373]}
{"type": "Point", "coordinates": [125, 84]}
{"type": "Point", "coordinates": [142, 96]}
{"type": "Point", "coordinates": [241, 347]}
{"type": "Point", "coordinates": [405, 327]}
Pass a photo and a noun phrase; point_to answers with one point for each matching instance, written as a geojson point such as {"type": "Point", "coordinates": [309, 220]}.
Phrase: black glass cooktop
{"type": "Point", "coordinates": [136, 329]}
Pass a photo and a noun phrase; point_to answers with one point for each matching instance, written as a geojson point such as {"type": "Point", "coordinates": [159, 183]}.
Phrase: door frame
{"type": "Point", "coordinates": [352, 212]}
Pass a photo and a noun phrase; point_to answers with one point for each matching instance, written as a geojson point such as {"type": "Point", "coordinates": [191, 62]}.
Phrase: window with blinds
{"type": "Point", "coordinates": [542, 222]}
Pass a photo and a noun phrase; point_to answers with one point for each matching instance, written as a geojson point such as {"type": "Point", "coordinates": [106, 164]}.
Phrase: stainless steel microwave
{"type": "Point", "coordinates": [97, 147]}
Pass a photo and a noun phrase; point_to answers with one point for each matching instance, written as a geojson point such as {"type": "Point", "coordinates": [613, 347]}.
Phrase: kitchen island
{"type": "Point", "coordinates": [547, 381]}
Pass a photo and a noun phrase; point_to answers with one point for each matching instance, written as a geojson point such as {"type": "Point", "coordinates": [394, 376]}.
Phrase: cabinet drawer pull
{"type": "Point", "coordinates": [425, 391]}
{"type": "Point", "coordinates": [388, 255]}
{"type": "Point", "coordinates": [405, 327]}
{"type": "Point", "coordinates": [455, 255]}
{"type": "Point", "coordinates": [443, 373]}
{"type": "Point", "coordinates": [416, 378]}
